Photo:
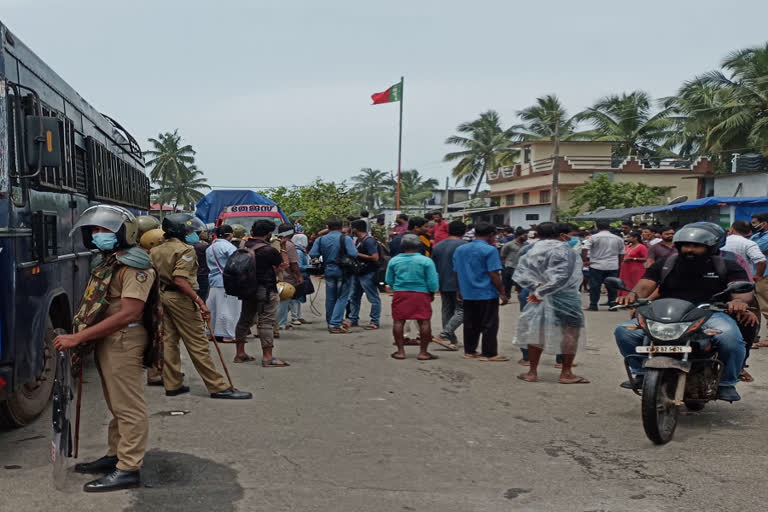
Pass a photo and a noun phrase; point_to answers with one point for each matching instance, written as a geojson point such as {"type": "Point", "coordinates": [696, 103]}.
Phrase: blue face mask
{"type": "Point", "coordinates": [573, 241]}
{"type": "Point", "coordinates": [192, 238]}
{"type": "Point", "coordinates": [105, 241]}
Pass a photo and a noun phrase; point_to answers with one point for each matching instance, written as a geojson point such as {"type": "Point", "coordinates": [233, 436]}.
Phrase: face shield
{"type": "Point", "coordinates": [104, 216]}
{"type": "Point", "coordinates": [195, 225]}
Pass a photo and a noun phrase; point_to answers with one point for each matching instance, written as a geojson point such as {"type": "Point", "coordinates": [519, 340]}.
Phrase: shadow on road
{"type": "Point", "coordinates": [182, 482]}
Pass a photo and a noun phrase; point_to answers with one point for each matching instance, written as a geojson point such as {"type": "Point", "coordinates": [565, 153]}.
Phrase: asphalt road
{"type": "Point", "coordinates": [346, 428]}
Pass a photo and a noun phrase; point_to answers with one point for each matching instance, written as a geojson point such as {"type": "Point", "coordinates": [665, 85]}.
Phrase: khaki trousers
{"type": "Point", "coordinates": [182, 320]}
{"type": "Point", "coordinates": [761, 292]}
{"type": "Point", "coordinates": [119, 359]}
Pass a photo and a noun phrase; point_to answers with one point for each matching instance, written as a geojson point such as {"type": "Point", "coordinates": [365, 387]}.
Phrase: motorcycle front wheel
{"type": "Point", "coordinates": [658, 408]}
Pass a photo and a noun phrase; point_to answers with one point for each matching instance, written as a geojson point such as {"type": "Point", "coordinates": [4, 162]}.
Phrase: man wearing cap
{"type": "Point", "coordinates": [291, 275]}
{"type": "Point", "coordinates": [184, 311]}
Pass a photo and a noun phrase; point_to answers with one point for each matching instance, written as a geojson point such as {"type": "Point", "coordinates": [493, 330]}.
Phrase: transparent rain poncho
{"type": "Point", "coordinates": [551, 270]}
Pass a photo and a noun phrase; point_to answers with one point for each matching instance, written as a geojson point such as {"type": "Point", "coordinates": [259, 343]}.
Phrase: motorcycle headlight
{"type": "Point", "coordinates": [667, 332]}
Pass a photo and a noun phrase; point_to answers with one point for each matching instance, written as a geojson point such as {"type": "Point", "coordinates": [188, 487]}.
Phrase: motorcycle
{"type": "Point", "coordinates": [681, 367]}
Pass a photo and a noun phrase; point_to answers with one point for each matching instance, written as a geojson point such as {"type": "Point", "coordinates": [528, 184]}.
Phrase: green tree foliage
{"type": "Point", "coordinates": [601, 192]}
{"type": "Point", "coordinates": [540, 121]}
{"type": "Point", "coordinates": [631, 122]}
{"type": "Point", "coordinates": [177, 179]}
{"type": "Point", "coordinates": [486, 147]}
{"type": "Point", "coordinates": [320, 201]}
{"type": "Point", "coordinates": [370, 185]}
{"type": "Point", "coordinates": [414, 189]}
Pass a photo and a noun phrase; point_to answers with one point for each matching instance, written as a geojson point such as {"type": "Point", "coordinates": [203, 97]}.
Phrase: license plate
{"type": "Point", "coordinates": [663, 349]}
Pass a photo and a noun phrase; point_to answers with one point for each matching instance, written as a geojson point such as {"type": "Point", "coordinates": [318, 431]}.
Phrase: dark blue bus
{"type": "Point", "coordinates": [58, 155]}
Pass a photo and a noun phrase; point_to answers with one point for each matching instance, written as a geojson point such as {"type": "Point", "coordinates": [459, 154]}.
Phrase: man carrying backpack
{"type": "Point", "coordinates": [262, 282]}
{"type": "Point", "coordinates": [335, 248]}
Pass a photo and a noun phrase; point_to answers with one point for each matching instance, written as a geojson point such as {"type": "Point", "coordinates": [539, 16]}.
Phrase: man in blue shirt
{"type": "Point", "coordinates": [338, 287]}
{"type": "Point", "coordinates": [478, 268]}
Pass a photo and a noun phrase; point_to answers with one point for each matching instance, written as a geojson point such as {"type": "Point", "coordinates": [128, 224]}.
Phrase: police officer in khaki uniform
{"type": "Point", "coordinates": [122, 274]}
{"type": "Point", "coordinates": [183, 311]}
{"type": "Point", "coordinates": [147, 223]}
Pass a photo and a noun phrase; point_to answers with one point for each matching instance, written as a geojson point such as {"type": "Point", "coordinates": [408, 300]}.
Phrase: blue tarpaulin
{"type": "Point", "coordinates": [756, 202]}
{"type": "Point", "coordinates": [210, 206]}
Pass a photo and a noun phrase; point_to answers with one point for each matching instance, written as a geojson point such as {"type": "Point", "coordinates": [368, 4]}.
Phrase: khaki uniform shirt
{"type": "Point", "coordinates": [129, 283]}
{"type": "Point", "coordinates": [174, 258]}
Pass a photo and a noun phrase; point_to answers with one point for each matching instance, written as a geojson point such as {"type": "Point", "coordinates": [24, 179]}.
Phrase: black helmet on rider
{"type": "Point", "coordinates": [179, 225]}
{"type": "Point", "coordinates": [707, 234]}
{"type": "Point", "coordinates": [115, 219]}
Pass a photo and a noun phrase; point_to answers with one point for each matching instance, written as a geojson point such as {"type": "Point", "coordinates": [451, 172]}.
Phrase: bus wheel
{"type": "Point", "coordinates": [31, 399]}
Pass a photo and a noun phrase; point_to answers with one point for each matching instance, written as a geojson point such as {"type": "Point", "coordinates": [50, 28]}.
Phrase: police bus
{"type": "Point", "coordinates": [58, 155]}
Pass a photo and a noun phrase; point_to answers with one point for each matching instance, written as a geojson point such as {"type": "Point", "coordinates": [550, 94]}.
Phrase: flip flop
{"type": "Point", "coordinates": [471, 356]}
{"type": "Point", "coordinates": [523, 362]}
{"type": "Point", "coordinates": [523, 376]}
{"type": "Point", "coordinates": [494, 359]}
{"type": "Point", "coordinates": [744, 376]}
{"type": "Point", "coordinates": [446, 344]}
{"type": "Point", "coordinates": [338, 330]}
{"type": "Point", "coordinates": [243, 359]}
{"type": "Point", "coordinates": [274, 363]}
{"type": "Point", "coordinates": [429, 357]}
{"type": "Point", "coordinates": [397, 356]}
{"type": "Point", "coordinates": [581, 380]}
{"type": "Point", "coordinates": [371, 327]}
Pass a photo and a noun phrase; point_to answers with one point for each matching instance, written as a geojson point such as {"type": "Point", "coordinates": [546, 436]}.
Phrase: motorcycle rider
{"type": "Point", "coordinates": [696, 275]}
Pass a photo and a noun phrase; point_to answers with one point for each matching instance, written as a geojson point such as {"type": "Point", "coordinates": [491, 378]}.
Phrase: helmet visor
{"type": "Point", "coordinates": [195, 224]}
{"type": "Point", "coordinates": [104, 216]}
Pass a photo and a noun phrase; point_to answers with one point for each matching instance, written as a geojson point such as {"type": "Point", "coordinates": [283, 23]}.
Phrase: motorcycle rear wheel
{"type": "Point", "coordinates": [658, 409]}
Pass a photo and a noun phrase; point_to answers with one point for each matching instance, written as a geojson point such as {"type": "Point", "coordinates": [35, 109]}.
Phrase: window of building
{"type": "Point", "coordinates": [526, 154]}
{"type": "Point", "coordinates": [544, 196]}
{"type": "Point", "coordinates": [531, 216]}
{"type": "Point", "coordinates": [509, 200]}
{"type": "Point", "coordinates": [526, 197]}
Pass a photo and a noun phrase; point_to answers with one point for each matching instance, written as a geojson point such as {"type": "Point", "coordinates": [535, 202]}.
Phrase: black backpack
{"type": "Point", "coordinates": [349, 266]}
{"type": "Point", "coordinates": [241, 278]}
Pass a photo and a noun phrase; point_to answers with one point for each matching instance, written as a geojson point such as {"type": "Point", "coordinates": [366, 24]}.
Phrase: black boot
{"type": "Point", "coordinates": [106, 464]}
{"type": "Point", "coordinates": [115, 481]}
{"type": "Point", "coordinates": [232, 394]}
{"type": "Point", "coordinates": [177, 392]}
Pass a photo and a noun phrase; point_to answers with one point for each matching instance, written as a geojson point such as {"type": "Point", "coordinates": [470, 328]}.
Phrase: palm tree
{"type": "Point", "coordinates": [542, 119]}
{"type": "Point", "coordinates": [169, 161]}
{"type": "Point", "coordinates": [630, 121]}
{"type": "Point", "coordinates": [183, 190]}
{"type": "Point", "coordinates": [369, 185]}
{"type": "Point", "coordinates": [414, 188]}
{"type": "Point", "coordinates": [743, 117]}
{"type": "Point", "coordinates": [487, 146]}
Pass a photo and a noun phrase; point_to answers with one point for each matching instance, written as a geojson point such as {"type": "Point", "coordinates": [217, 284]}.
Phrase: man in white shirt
{"type": "Point", "coordinates": [603, 253]}
{"type": "Point", "coordinates": [738, 242]}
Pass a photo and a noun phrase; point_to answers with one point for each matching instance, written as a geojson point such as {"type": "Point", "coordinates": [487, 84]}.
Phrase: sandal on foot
{"type": "Point", "coordinates": [243, 359]}
{"type": "Point", "coordinates": [274, 363]}
{"type": "Point", "coordinates": [524, 378]}
{"type": "Point", "coordinates": [428, 357]}
{"type": "Point", "coordinates": [397, 356]}
{"type": "Point", "coordinates": [744, 376]}
{"type": "Point", "coordinates": [471, 356]}
{"type": "Point", "coordinates": [371, 327]}
{"type": "Point", "coordinates": [579, 380]}
{"type": "Point", "coordinates": [337, 330]}
{"type": "Point", "coordinates": [444, 343]}
{"type": "Point", "coordinates": [523, 362]}
{"type": "Point", "coordinates": [494, 359]}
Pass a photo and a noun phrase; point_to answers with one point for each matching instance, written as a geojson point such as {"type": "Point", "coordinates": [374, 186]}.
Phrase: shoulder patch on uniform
{"type": "Point", "coordinates": [187, 258]}
{"type": "Point", "coordinates": [142, 277]}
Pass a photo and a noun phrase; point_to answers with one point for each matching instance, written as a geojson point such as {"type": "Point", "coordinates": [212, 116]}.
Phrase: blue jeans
{"type": "Point", "coordinates": [365, 283]}
{"type": "Point", "coordinates": [337, 292]}
{"type": "Point", "coordinates": [596, 278]}
{"type": "Point", "coordinates": [729, 345]}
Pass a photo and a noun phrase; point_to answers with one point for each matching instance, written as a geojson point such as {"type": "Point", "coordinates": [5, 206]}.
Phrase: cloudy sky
{"type": "Point", "coordinates": [278, 92]}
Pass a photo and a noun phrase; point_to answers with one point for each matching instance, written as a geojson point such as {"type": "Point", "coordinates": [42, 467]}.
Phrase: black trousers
{"type": "Point", "coordinates": [506, 277]}
{"type": "Point", "coordinates": [481, 317]}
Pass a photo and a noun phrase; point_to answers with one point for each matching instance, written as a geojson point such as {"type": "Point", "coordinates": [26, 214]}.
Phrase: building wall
{"type": "Point", "coordinates": [516, 216]}
{"type": "Point", "coordinates": [541, 150]}
{"type": "Point", "coordinates": [752, 185]}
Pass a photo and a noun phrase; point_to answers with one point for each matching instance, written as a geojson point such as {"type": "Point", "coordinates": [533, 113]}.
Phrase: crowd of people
{"type": "Point", "coordinates": [154, 287]}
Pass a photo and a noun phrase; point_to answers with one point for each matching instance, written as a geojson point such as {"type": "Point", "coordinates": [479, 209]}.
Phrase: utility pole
{"type": "Point", "coordinates": [445, 198]}
{"type": "Point", "coordinates": [553, 216]}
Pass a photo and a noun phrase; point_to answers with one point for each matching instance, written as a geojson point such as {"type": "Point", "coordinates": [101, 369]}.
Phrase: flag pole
{"type": "Point", "coordinates": [400, 146]}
